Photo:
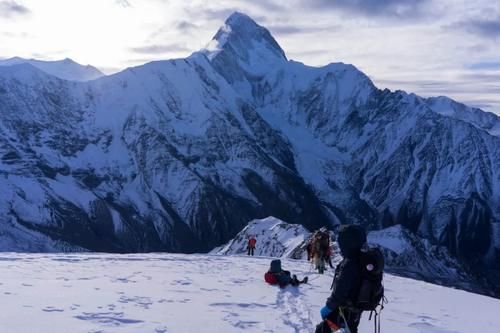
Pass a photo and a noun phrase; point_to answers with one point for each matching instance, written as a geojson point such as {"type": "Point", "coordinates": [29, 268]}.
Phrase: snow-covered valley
{"type": "Point", "coordinates": [142, 293]}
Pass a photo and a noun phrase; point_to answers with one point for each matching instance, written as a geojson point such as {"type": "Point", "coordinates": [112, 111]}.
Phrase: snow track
{"type": "Point", "coordinates": [297, 314]}
{"type": "Point", "coordinates": [167, 293]}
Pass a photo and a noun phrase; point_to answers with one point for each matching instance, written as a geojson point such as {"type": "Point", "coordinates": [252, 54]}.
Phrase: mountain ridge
{"type": "Point", "coordinates": [179, 155]}
{"type": "Point", "coordinates": [65, 69]}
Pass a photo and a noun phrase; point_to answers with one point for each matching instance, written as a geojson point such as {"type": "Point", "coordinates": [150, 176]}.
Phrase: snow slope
{"type": "Point", "coordinates": [65, 69]}
{"type": "Point", "coordinates": [159, 293]}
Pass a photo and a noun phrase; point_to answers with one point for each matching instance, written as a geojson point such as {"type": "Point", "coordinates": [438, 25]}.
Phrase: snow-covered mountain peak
{"type": "Point", "coordinates": [243, 41]}
{"type": "Point", "coordinates": [242, 24]}
{"type": "Point", "coordinates": [13, 60]}
{"type": "Point", "coordinates": [275, 238]}
{"type": "Point", "coordinates": [23, 72]}
{"type": "Point", "coordinates": [66, 69]}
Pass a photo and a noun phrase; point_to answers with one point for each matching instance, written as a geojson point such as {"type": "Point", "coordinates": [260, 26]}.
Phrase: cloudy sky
{"type": "Point", "coordinates": [430, 47]}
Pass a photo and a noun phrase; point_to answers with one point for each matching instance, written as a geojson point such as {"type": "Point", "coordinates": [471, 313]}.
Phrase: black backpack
{"type": "Point", "coordinates": [371, 291]}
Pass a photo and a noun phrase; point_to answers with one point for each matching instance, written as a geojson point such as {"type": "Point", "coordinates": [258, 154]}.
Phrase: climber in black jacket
{"type": "Point", "coordinates": [339, 308]}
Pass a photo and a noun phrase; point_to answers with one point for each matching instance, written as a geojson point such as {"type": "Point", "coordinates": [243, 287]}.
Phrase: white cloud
{"type": "Point", "coordinates": [10, 9]}
{"type": "Point", "coordinates": [123, 3]}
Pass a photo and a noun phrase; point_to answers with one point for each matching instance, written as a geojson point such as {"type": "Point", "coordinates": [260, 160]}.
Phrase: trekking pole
{"type": "Point", "coordinates": [347, 330]}
{"type": "Point", "coordinates": [384, 301]}
{"type": "Point", "coordinates": [378, 315]}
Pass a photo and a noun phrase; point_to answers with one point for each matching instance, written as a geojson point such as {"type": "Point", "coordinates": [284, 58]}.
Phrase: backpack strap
{"type": "Point", "coordinates": [337, 269]}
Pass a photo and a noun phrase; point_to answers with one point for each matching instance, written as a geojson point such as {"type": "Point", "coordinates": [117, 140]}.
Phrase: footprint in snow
{"type": "Point", "coordinates": [123, 280]}
{"type": "Point", "coordinates": [240, 305]}
{"type": "Point", "coordinates": [143, 302]}
{"type": "Point", "coordinates": [238, 281]}
{"type": "Point", "coordinates": [107, 318]}
{"type": "Point", "coordinates": [185, 282]}
{"type": "Point", "coordinates": [52, 309]}
{"type": "Point", "coordinates": [165, 301]}
{"type": "Point", "coordinates": [424, 327]}
{"type": "Point", "coordinates": [233, 318]}
{"type": "Point", "coordinates": [297, 314]}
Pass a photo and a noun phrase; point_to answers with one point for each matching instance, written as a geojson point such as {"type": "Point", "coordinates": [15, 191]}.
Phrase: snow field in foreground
{"type": "Point", "coordinates": [159, 293]}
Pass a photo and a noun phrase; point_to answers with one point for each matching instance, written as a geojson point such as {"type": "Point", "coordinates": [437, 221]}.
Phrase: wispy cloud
{"type": "Point", "coordinates": [294, 28]}
{"type": "Point", "coordinates": [267, 5]}
{"type": "Point", "coordinates": [403, 9]}
{"type": "Point", "coordinates": [123, 3]}
{"type": "Point", "coordinates": [495, 65]}
{"type": "Point", "coordinates": [11, 34]}
{"type": "Point", "coordinates": [306, 53]}
{"type": "Point", "coordinates": [481, 104]}
{"type": "Point", "coordinates": [484, 77]}
{"type": "Point", "coordinates": [159, 49]}
{"type": "Point", "coordinates": [474, 89]}
{"type": "Point", "coordinates": [489, 28]}
{"type": "Point", "coordinates": [218, 14]}
{"type": "Point", "coordinates": [10, 9]}
{"type": "Point", "coordinates": [186, 26]}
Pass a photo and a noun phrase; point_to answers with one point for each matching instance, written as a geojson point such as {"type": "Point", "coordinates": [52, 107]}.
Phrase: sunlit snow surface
{"type": "Point", "coordinates": [198, 293]}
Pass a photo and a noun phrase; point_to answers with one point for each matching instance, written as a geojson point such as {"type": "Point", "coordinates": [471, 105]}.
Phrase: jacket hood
{"type": "Point", "coordinates": [275, 266]}
{"type": "Point", "coordinates": [351, 239]}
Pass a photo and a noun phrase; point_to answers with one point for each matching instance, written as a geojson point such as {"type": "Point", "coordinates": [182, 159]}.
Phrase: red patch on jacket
{"type": "Point", "coordinates": [270, 278]}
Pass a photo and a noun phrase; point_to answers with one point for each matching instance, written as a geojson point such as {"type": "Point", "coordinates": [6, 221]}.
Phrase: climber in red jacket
{"type": "Point", "coordinates": [251, 245]}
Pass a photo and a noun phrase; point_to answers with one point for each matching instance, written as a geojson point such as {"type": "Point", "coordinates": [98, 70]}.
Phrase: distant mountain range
{"type": "Point", "coordinates": [179, 155]}
{"type": "Point", "coordinates": [65, 69]}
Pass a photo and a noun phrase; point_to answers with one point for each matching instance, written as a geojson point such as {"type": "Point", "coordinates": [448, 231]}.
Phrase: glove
{"type": "Point", "coordinates": [325, 311]}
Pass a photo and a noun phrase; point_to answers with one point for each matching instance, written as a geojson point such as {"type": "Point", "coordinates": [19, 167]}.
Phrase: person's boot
{"type": "Point", "coordinates": [304, 280]}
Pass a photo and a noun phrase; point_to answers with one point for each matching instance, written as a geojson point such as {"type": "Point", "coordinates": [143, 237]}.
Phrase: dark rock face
{"type": "Point", "coordinates": [179, 155]}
